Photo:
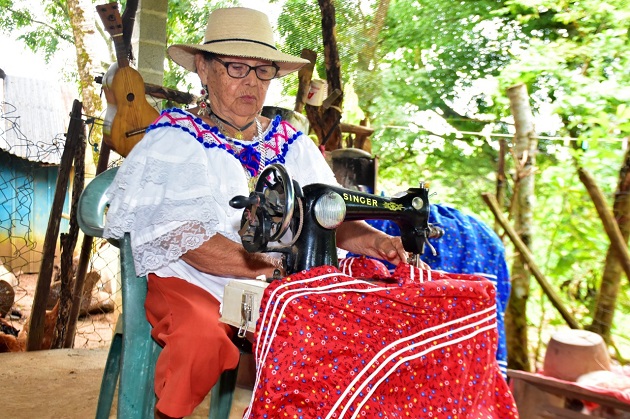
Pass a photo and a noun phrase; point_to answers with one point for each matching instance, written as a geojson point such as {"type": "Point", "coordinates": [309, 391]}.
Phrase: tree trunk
{"type": "Point", "coordinates": [525, 153]}
{"type": "Point", "coordinates": [368, 85]}
{"type": "Point", "coordinates": [613, 270]}
{"type": "Point", "coordinates": [501, 178]}
{"type": "Point", "coordinates": [86, 41]}
{"type": "Point", "coordinates": [325, 120]}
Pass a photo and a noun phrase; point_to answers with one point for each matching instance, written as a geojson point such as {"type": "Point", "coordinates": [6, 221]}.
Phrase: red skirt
{"type": "Point", "coordinates": [420, 344]}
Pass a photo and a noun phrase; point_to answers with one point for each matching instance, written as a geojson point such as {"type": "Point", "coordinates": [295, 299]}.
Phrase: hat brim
{"type": "Point", "coordinates": [184, 55]}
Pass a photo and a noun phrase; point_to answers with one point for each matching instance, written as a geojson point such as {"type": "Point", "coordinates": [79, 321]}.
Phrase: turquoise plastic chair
{"type": "Point", "coordinates": [133, 352]}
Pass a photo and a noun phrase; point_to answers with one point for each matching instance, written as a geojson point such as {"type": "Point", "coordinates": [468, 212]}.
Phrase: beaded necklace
{"type": "Point", "coordinates": [252, 155]}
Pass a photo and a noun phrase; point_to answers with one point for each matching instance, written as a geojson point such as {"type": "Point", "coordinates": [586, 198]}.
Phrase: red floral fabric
{"type": "Point", "coordinates": [363, 267]}
{"type": "Point", "coordinates": [332, 346]}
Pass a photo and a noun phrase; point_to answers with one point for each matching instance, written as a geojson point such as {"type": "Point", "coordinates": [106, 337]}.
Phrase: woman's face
{"type": "Point", "coordinates": [236, 99]}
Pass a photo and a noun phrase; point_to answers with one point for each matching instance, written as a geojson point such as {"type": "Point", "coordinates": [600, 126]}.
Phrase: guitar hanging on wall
{"type": "Point", "coordinates": [128, 112]}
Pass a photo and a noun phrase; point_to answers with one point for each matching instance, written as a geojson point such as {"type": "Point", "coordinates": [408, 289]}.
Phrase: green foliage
{"type": "Point", "coordinates": [455, 60]}
{"type": "Point", "coordinates": [186, 25]}
{"type": "Point", "coordinates": [38, 34]}
{"type": "Point", "coordinates": [299, 26]}
{"type": "Point", "coordinates": [442, 47]}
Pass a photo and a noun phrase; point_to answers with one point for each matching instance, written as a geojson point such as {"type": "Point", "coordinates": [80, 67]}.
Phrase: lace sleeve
{"type": "Point", "coordinates": [171, 194]}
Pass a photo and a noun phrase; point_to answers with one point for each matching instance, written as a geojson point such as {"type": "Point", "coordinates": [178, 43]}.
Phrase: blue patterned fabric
{"type": "Point", "coordinates": [468, 246]}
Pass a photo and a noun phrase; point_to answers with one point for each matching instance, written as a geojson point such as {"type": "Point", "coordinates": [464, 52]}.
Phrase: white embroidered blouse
{"type": "Point", "coordinates": [172, 191]}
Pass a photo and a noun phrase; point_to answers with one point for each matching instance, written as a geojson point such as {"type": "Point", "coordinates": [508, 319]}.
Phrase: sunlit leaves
{"type": "Point", "coordinates": [41, 32]}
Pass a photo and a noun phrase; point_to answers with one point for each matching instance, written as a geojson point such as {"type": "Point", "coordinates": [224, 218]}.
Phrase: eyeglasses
{"type": "Point", "coordinates": [241, 70]}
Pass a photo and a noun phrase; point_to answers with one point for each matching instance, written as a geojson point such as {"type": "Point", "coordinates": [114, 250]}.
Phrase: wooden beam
{"type": "Point", "coordinates": [173, 95]}
{"type": "Point", "coordinates": [355, 129]}
{"type": "Point", "coordinates": [68, 242]}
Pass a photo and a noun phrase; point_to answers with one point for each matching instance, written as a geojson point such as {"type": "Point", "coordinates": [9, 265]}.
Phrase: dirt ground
{"type": "Point", "coordinates": [62, 383]}
{"type": "Point", "coordinates": [93, 331]}
{"type": "Point", "coordinates": [65, 383]}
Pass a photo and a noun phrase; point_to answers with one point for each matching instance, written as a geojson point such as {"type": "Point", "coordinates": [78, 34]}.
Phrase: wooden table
{"type": "Point", "coordinates": [538, 396]}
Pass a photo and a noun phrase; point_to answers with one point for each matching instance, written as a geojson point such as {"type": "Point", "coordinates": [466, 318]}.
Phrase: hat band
{"type": "Point", "coordinates": [241, 40]}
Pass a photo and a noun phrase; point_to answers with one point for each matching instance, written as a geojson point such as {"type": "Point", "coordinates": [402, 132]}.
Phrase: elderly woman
{"type": "Point", "coordinates": [172, 192]}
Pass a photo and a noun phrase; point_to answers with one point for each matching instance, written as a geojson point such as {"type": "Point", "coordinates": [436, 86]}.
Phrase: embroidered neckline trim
{"type": "Point", "coordinates": [167, 118]}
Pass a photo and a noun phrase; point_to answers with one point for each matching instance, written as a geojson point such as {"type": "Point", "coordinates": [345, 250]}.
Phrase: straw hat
{"type": "Point", "coordinates": [237, 32]}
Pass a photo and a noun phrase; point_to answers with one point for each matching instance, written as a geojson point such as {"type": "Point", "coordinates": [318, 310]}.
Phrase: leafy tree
{"type": "Point", "coordinates": [449, 63]}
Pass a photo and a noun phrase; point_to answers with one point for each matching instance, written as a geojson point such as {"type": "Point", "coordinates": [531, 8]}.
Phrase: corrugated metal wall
{"type": "Point", "coordinates": [26, 195]}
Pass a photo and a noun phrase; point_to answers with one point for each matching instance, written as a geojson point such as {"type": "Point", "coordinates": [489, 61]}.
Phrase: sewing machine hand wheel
{"type": "Point", "coordinates": [268, 209]}
{"type": "Point", "coordinates": [278, 185]}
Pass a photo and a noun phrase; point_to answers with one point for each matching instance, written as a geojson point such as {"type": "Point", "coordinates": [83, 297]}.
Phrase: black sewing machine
{"type": "Point", "coordinates": [311, 214]}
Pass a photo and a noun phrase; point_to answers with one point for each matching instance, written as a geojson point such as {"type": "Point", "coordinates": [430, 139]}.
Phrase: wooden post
{"type": "Point", "coordinates": [68, 244]}
{"type": "Point", "coordinates": [42, 290]}
{"type": "Point", "coordinates": [84, 259]}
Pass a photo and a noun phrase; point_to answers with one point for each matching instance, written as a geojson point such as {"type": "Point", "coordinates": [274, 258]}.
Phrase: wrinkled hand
{"type": "Point", "coordinates": [390, 248]}
{"type": "Point", "coordinates": [360, 238]}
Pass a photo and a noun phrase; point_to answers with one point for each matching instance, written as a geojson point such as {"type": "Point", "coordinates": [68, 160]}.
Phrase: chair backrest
{"type": "Point", "coordinates": [92, 204]}
{"type": "Point", "coordinates": [136, 398]}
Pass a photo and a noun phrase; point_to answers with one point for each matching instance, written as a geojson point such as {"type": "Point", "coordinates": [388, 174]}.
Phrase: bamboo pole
{"type": "Point", "coordinates": [491, 201]}
{"type": "Point", "coordinates": [610, 224]}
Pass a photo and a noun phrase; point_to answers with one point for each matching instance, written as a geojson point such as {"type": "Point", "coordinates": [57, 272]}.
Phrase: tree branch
{"type": "Point", "coordinates": [527, 256]}
{"type": "Point", "coordinates": [31, 20]}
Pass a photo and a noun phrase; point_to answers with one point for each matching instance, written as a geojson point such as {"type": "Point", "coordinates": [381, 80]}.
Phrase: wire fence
{"type": "Point", "coordinates": [28, 175]}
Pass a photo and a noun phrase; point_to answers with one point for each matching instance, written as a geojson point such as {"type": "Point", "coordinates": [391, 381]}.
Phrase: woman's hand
{"type": "Point", "coordinates": [390, 248]}
{"type": "Point", "coordinates": [361, 238]}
